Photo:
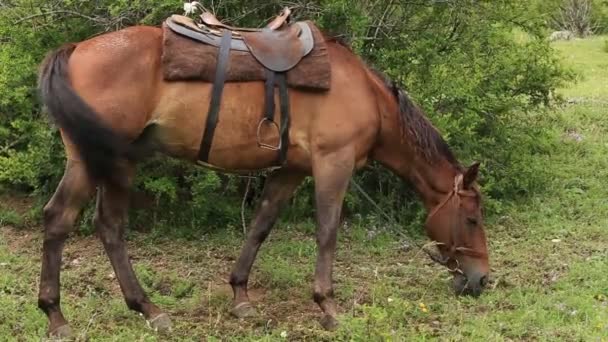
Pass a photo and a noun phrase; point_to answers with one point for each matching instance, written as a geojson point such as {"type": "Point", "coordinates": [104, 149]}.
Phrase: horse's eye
{"type": "Point", "coordinates": [472, 220]}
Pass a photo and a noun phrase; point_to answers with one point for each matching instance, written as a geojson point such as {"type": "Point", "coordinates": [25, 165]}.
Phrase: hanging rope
{"type": "Point", "coordinates": [434, 256]}
{"type": "Point", "coordinates": [243, 205]}
{"type": "Point", "coordinates": [369, 198]}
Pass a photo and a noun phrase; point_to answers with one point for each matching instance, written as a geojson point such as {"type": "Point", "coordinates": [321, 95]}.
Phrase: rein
{"type": "Point", "coordinates": [453, 249]}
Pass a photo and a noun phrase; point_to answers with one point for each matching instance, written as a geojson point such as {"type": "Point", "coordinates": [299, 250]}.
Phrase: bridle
{"type": "Point", "coordinates": [452, 248]}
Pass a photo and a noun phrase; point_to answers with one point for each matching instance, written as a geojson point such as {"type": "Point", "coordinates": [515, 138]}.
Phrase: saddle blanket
{"type": "Point", "coordinates": [186, 59]}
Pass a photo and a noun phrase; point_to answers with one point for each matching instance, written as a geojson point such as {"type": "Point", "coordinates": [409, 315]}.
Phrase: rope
{"type": "Point", "coordinates": [423, 248]}
{"type": "Point", "coordinates": [391, 219]}
{"type": "Point", "coordinates": [369, 198]}
{"type": "Point", "coordinates": [243, 205]}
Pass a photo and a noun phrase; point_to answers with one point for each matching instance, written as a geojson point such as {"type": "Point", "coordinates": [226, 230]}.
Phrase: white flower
{"type": "Point", "coordinates": [284, 334]}
{"type": "Point", "coordinates": [191, 7]}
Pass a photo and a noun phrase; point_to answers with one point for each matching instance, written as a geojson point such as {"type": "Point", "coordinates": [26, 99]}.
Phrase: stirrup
{"type": "Point", "coordinates": [267, 146]}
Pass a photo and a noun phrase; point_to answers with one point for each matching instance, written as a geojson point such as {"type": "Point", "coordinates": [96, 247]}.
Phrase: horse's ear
{"type": "Point", "coordinates": [470, 176]}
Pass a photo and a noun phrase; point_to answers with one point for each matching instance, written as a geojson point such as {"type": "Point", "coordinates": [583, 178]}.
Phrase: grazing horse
{"type": "Point", "coordinates": [111, 103]}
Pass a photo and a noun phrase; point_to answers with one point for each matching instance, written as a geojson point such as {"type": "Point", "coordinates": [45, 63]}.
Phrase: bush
{"type": "Point", "coordinates": [480, 74]}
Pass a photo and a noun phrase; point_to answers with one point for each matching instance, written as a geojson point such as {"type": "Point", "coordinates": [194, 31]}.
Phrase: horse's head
{"type": "Point", "coordinates": [456, 225]}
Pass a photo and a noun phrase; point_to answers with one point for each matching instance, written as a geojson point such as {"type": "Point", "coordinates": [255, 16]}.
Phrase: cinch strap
{"type": "Point", "coordinates": [223, 59]}
{"type": "Point", "coordinates": [285, 120]}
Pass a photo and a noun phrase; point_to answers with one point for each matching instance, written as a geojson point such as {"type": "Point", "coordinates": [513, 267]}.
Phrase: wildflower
{"type": "Point", "coordinates": [284, 334]}
{"type": "Point", "coordinates": [423, 307]}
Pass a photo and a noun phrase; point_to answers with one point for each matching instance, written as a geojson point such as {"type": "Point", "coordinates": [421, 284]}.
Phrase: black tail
{"type": "Point", "coordinates": [100, 148]}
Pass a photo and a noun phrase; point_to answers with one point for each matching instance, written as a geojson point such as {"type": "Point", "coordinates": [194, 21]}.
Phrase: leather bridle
{"type": "Point", "coordinates": [453, 249]}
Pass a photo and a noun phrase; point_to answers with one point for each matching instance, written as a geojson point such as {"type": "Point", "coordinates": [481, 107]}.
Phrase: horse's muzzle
{"type": "Point", "coordinates": [472, 284]}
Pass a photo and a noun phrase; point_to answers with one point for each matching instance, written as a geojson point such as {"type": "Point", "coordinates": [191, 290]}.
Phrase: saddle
{"type": "Point", "coordinates": [280, 54]}
{"type": "Point", "coordinates": [278, 47]}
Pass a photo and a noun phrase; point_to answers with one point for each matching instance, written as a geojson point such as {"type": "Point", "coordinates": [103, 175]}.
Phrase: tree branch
{"type": "Point", "coordinates": [44, 14]}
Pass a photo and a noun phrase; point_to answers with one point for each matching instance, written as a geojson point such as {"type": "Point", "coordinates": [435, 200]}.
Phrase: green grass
{"type": "Point", "coordinates": [589, 59]}
{"type": "Point", "coordinates": [549, 256]}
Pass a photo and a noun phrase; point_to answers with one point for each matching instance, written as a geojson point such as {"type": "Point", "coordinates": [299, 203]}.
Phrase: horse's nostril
{"type": "Point", "coordinates": [483, 281]}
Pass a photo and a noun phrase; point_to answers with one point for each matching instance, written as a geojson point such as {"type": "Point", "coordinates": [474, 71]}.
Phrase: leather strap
{"type": "Point", "coordinates": [223, 59]}
{"type": "Point", "coordinates": [269, 95]}
{"type": "Point", "coordinates": [285, 117]}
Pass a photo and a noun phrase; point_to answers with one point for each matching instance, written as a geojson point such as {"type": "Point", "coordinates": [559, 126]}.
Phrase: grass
{"type": "Point", "coordinates": [588, 58]}
{"type": "Point", "coordinates": [549, 256]}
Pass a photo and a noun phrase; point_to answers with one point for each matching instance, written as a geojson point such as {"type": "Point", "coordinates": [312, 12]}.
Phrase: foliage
{"type": "Point", "coordinates": [548, 257]}
{"type": "Point", "coordinates": [481, 70]}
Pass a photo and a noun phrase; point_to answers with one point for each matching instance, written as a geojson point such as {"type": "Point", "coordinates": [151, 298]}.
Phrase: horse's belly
{"type": "Point", "coordinates": [180, 122]}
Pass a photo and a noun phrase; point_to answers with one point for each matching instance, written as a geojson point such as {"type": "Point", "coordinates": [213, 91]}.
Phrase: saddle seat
{"type": "Point", "coordinates": [279, 46]}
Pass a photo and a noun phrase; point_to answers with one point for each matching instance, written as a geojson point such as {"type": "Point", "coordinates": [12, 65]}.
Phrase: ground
{"type": "Point", "coordinates": [549, 259]}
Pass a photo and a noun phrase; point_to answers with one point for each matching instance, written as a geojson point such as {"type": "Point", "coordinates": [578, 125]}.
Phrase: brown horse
{"type": "Point", "coordinates": [109, 98]}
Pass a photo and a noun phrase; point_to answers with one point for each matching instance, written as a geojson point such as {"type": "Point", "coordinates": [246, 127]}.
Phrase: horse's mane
{"type": "Point", "coordinates": [415, 125]}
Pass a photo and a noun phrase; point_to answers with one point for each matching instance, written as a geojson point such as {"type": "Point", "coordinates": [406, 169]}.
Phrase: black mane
{"type": "Point", "coordinates": [416, 126]}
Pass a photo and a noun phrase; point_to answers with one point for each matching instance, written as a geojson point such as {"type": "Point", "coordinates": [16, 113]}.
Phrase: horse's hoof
{"type": "Point", "coordinates": [63, 333]}
{"type": "Point", "coordinates": [329, 323]}
{"type": "Point", "coordinates": [243, 310]}
{"type": "Point", "coordinates": [161, 323]}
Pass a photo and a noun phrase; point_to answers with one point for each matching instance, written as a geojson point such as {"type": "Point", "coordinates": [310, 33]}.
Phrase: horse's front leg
{"type": "Point", "coordinates": [279, 187]}
{"type": "Point", "coordinates": [332, 173]}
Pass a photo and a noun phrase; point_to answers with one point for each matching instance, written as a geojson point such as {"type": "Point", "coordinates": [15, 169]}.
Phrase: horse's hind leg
{"type": "Point", "coordinates": [59, 217]}
{"type": "Point", "coordinates": [112, 204]}
{"type": "Point", "coordinates": [279, 187]}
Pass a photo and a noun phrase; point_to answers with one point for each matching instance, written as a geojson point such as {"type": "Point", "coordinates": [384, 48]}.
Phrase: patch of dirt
{"type": "Point", "coordinates": [20, 241]}
{"type": "Point", "coordinates": [20, 204]}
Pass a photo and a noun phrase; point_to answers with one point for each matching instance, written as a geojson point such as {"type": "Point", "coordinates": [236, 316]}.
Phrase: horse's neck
{"type": "Point", "coordinates": [432, 180]}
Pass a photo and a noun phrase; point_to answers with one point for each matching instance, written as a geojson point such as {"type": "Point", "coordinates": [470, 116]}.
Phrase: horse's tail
{"type": "Point", "coordinates": [99, 147]}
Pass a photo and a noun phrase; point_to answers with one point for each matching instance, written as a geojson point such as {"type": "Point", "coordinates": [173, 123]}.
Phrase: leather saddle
{"type": "Point", "coordinates": [279, 46]}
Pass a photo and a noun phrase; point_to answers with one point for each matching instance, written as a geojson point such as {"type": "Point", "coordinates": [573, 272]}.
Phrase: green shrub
{"type": "Point", "coordinates": [480, 75]}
